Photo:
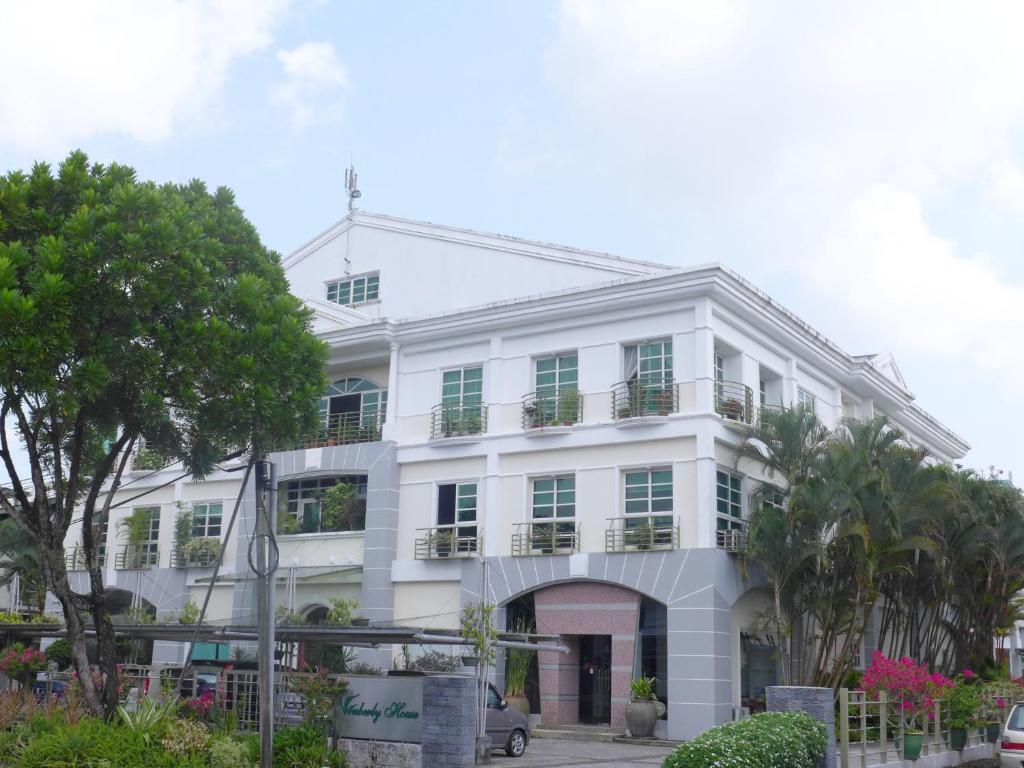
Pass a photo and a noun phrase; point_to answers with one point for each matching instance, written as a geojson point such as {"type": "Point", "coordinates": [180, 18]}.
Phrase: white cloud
{"type": "Point", "coordinates": [817, 133]}
{"type": "Point", "coordinates": [314, 85]}
{"type": "Point", "coordinates": [75, 70]}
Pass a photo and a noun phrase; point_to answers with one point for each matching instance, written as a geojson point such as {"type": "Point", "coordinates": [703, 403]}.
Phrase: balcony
{"type": "Point", "coordinates": [734, 402]}
{"type": "Point", "coordinates": [635, 399]}
{"type": "Point", "coordinates": [128, 558]}
{"type": "Point", "coordinates": [733, 536]}
{"type": "Point", "coordinates": [348, 428]}
{"type": "Point", "coordinates": [767, 411]}
{"type": "Point", "coordinates": [197, 553]}
{"type": "Point", "coordinates": [457, 419]}
{"type": "Point", "coordinates": [447, 541]}
{"type": "Point", "coordinates": [561, 408]}
{"type": "Point", "coordinates": [641, 533]}
{"type": "Point", "coordinates": [74, 559]}
{"type": "Point", "coordinates": [546, 538]}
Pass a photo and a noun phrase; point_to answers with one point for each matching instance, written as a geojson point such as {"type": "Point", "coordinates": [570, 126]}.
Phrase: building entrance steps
{"type": "Point", "coordinates": [599, 733]}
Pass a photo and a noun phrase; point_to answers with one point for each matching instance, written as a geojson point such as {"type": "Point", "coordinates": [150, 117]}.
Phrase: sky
{"type": "Point", "coordinates": [863, 163]}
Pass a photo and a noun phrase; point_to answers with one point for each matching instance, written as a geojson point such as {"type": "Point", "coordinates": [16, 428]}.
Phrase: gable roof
{"type": "Point", "coordinates": [560, 253]}
{"type": "Point", "coordinates": [885, 364]}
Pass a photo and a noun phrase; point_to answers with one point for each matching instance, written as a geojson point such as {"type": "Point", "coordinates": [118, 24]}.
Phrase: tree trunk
{"type": "Point", "coordinates": [53, 562]}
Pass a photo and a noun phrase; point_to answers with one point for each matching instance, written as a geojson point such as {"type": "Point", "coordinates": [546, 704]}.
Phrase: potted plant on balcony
{"type": "Point", "coordinates": [530, 417]}
{"type": "Point", "coordinates": [664, 401]}
{"type": "Point", "coordinates": [644, 709]}
{"type": "Point", "coordinates": [641, 536]}
{"type": "Point", "coordinates": [136, 527]}
{"type": "Point", "coordinates": [568, 406]}
{"type": "Point", "coordinates": [731, 409]}
{"type": "Point", "coordinates": [201, 551]}
{"type": "Point", "coordinates": [440, 542]}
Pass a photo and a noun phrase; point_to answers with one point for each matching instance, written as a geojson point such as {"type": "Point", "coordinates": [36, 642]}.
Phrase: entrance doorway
{"type": "Point", "coordinates": [595, 679]}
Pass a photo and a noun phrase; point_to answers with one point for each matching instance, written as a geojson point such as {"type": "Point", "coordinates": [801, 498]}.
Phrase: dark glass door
{"type": "Point", "coordinates": [595, 679]}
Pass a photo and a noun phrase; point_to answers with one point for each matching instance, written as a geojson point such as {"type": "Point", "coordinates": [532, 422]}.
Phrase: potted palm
{"type": "Point", "coordinates": [644, 709]}
{"type": "Point", "coordinates": [517, 666]}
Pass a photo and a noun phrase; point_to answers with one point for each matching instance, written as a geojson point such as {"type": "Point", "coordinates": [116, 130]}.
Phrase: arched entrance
{"type": "Point", "coordinates": [613, 634]}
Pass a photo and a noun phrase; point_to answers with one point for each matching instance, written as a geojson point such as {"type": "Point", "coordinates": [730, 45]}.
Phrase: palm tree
{"type": "Point", "coordinates": [19, 558]}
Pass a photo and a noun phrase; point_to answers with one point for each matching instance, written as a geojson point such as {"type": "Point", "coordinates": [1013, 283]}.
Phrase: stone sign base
{"type": "Point", "coordinates": [381, 754]}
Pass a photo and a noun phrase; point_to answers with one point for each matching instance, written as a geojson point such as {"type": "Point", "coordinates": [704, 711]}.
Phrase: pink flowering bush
{"type": "Point", "coordinates": [907, 684]}
{"type": "Point", "coordinates": [199, 708]}
{"type": "Point", "coordinates": [22, 663]}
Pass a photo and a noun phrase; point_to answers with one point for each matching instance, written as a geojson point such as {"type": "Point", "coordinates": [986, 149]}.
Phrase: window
{"type": "Point", "coordinates": [805, 399]}
{"type": "Point", "coordinates": [557, 372]}
{"type": "Point", "coordinates": [354, 290]}
{"type": "Point", "coordinates": [729, 501]}
{"type": "Point", "coordinates": [554, 498]}
{"type": "Point", "coordinates": [772, 498]}
{"type": "Point", "coordinates": [648, 493]}
{"type": "Point", "coordinates": [301, 500]}
{"type": "Point", "coordinates": [462, 410]}
{"type": "Point", "coordinates": [456, 511]}
{"type": "Point", "coordinates": [100, 537]}
{"type": "Point", "coordinates": [650, 362]}
{"type": "Point", "coordinates": [206, 519]}
{"type": "Point", "coordinates": [352, 410]}
{"type": "Point", "coordinates": [464, 386]}
{"type": "Point", "coordinates": [762, 389]}
{"type": "Point", "coordinates": [719, 368]}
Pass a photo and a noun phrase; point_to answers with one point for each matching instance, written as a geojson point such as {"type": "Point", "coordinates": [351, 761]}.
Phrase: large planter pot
{"type": "Point", "coordinates": [957, 739]}
{"type": "Point", "coordinates": [519, 703]}
{"type": "Point", "coordinates": [912, 743]}
{"type": "Point", "coordinates": [641, 715]}
{"type": "Point", "coordinates": [992, 732]}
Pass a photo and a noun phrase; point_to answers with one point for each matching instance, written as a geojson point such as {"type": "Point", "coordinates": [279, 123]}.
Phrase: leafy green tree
{"type": "Point", "coordinates": [134, 310]}
{"type": "Point", "coordinates": [19, 558]}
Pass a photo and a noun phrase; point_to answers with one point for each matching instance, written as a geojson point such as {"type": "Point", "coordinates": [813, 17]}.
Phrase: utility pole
{"type": "Point", "coordinates": [266, 559]}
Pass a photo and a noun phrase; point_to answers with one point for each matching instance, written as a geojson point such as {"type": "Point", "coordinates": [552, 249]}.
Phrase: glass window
{"type": "Point", "coordinates": [648, 491]}
{"type": "Point", "coordinates": [301, 500]}
{"type": "Point", "coordinates": [729, 501]}
{"type": "Point", "coordinates": [557, 372]}
{"type": "Point", "coordinates": [206, 519]}
{"type": "Point", "coordinates": [719, 367]}
{"type": "Point", "coordinates": [456, 510]}
{"type": "Point", "coordinates": [554, 497]}
{"type": "Point", "coordinates": [463, 385]}
{"type": "Point", "coordinates": [655, 362]}
{"type": "Point", "coordinates": [355, 290]}
{"type": "Point", "coordinates": [804, 398]}
{"type": "Point", "coordinates": [772, 498]}
{"type": "Point", "coordinates": [762, 389]}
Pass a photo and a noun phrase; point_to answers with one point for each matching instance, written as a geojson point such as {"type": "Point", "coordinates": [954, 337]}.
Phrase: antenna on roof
{"type": "Point", "coordinates": [350, 187]}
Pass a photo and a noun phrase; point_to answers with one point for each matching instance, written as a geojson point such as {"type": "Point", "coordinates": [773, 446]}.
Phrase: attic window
{"type": "Point", "coordinates": [354, 290]}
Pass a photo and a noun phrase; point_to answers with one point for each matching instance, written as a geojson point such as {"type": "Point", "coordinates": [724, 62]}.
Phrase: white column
{"type": "Point", "coordinates": [707, 467]}
{"type": "Point", "coordinates": [390, 429]}
{"type": "Point", "coordinates": [494, 396]}
{"type": "Point", "coordinates": [704, 351]}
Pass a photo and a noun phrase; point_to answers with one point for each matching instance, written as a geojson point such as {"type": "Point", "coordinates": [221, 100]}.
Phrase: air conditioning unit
{"type": "Point", "coordinates": [732, 541]}
{"type": "Point", "coordinates": [740, 713]}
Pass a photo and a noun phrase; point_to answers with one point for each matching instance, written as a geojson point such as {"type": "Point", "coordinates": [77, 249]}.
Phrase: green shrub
{"type": "Point", "coordinates": [304, 747]}
{"type": "Point", "coordinates": [229, 753]}
{"type": "Point", "coordinates": [59, 652]}
{"type": "Point", "coordinates": [770, 740]}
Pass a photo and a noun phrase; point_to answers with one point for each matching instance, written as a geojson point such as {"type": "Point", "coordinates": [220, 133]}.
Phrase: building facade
{"type": "Point", "coordinates": [555, 424]}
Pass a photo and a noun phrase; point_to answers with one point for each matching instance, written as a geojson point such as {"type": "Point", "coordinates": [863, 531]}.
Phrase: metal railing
{"type": "Point", "coordinates": [635, 398]}
{"type": "Point", "coordinates": [551, 409]}
{"type": "Point", "coordinates": [734, 401]}
{"type": "Point", "coordinates": [768, 410]}
{"type": "Point", "coordinates": [74, 558]}
{"type": "Point", "coordinates": [638, 533]}
{"type": "Point", "coordinates": [128, 558]}
{"type": "Point", "coordinates": [734, 538]}
{"type": "Point", "coordinates": [457, 419]}
{"type": "Point", "coordinates": [871, 730]}
{"type": "Point", "coordinates": [447, 541]}
{"type": "Point", "coordinates": [546, 538]}
{"type": "Point", "coordinates": [347, 428]}
{"type": "Point", "coordinates": [205, 557]}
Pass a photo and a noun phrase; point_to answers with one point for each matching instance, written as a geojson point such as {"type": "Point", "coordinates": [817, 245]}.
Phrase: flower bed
{"type": "Point", "coordinates": [771, 740]}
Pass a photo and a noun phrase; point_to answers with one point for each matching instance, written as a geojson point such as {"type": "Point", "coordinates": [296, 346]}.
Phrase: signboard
{"type": "Point", "coordinates": [380, 708]}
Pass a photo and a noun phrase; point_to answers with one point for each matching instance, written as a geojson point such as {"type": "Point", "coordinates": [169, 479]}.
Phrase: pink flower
{"type": "Point", "coordinates": [968, 674]}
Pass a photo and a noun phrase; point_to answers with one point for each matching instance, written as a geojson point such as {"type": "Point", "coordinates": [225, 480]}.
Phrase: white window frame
{"type": "Point", "coordinates": [734, 521]}
{"type": "Point", "coordinates": [806, 397]}
{"type": "Point", "coordinates": [206, 519]}
{"type": "Point", "coordinates": [352, 280]}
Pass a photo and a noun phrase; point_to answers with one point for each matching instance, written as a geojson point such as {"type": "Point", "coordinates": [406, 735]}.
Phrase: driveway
{"type": "Point", "coordinates": [554, 753]}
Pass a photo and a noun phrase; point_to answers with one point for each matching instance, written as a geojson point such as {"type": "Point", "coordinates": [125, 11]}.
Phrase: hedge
{"type": "Point", "coordinates": [770, 740]}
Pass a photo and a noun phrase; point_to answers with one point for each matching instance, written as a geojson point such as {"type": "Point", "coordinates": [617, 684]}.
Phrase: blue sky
{"type": "Point", "coordinates": [860, 162]}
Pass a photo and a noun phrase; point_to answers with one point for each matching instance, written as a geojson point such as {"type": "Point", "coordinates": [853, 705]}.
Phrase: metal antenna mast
{"type": "Point", "coordinates": [354, 194]}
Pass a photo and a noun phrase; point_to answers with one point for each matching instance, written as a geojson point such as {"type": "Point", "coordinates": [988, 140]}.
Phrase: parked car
{"type": "Point", "coordinates": [1011, 741]}
{"type": "Point", "coordinates": [508, 728]}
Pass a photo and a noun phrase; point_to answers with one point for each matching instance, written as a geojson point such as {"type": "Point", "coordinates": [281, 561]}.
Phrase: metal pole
{"type": "Point", "coordinates": [265, 566]}
{"type": "Point", "coordinates": [484, 664]}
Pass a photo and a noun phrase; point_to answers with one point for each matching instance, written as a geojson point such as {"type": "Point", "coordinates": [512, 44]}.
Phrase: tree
{"type": "Point", "coordinates": [130, 310]}
{"type": "Point", "coordinates": [19, 557]}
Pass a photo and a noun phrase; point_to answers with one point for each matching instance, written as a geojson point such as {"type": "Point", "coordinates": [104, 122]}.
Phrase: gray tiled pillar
{"type": "Point", "coordinates": [449, 721]}
{"type": "Point", "coordinates": [819, 703]}
{"type": "Point", "coordinates": [699, 664]}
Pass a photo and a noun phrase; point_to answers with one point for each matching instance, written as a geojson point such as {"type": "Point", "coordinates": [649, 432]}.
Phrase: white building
{"type": "Point", "coordinates": [567, 417]}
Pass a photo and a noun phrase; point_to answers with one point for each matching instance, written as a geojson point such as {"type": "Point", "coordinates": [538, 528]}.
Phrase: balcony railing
{"type": "Point", "coordinates": [631, 399]}
{"type": "Point", "coordinates": [640, 533]}
{"type": "Point", "coordinates": [447, 541]}
{"type": "Point", "coordinates": [768, 410]}
{"type": "Point", "coordinates": [733, 536]}
{"type": "Point", "coordinates": [75, 559]}
{"type": "Point", "coordinates": [552, 409]}
{"type": "Point", "coordinates": [192, 556]}
{"type": "Point", "coordinates": [457, 419]}
{"type": "Point", "coordinates": [546, 538]}
{"type": "Point", "coordinates": [734, 401]}
{"type": "Point", "coordinates": [128, 558]}
{"type": "Point", "coordinates": [347, 428]}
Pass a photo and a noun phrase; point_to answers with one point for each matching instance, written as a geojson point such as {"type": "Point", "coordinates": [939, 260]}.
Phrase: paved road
{"type": "Point", "coordinates": [553, 753]}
